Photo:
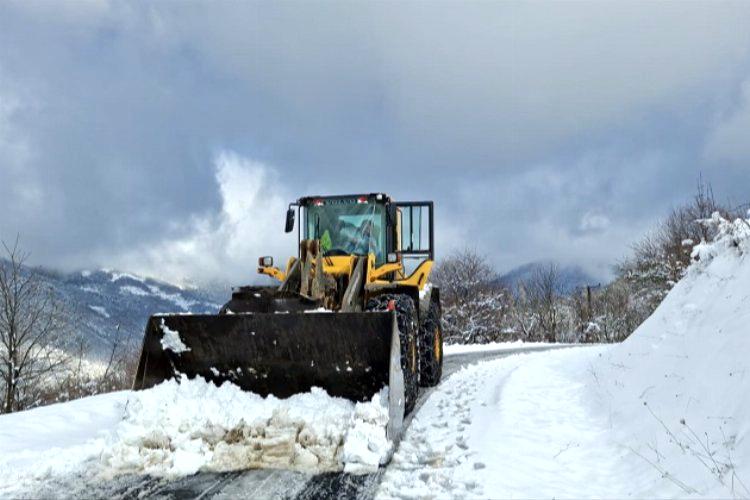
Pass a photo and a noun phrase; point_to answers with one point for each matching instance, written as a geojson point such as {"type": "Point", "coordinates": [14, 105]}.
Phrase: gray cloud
{"type": "Point", "coordinates": [557, 130]}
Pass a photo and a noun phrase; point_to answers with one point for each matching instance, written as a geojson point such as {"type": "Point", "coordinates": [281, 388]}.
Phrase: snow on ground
{"type": "Point", "coordinates": [175, 298]}
{"type": "Point", "coordinates": [116, 276]}
{"type": "Point", "coordinates": [677, 390]}
{"type": "Point", "coordinates": [100, 310]}
{"type": "Point", "coordinates": [663, 415]}
{"type": "Point", "coordinates": [55, 440]}
{"type": "Point", "coordinates": [513, 427]}
{"type": "Point", "coordinates": [133, 290]}
{"type": "Point", "coordinates": [179, 428]}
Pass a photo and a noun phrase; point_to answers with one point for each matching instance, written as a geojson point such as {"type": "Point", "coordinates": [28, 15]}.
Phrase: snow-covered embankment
{"type": "Point", "coordinates": [664, 414]}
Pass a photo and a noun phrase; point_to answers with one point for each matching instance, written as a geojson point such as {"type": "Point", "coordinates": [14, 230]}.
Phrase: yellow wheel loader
{"type": "Point", "coordinates": [352, 313]}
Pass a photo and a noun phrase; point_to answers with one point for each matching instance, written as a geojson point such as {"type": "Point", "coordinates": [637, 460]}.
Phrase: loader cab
{"type": "Point", "coordinates": [367, 223]}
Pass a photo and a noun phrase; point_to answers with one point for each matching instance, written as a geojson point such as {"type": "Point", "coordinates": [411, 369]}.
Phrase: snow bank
{"type": "Point", "coordinates": [675, 392]}
{"type": "Point", "coordinates": [179, 428]}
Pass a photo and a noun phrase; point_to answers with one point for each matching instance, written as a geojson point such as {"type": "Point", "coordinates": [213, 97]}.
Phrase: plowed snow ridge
{"type": "Point", "coordinates": [180, 428]}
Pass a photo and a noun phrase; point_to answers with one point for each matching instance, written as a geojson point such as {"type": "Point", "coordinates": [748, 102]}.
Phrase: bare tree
{"type": "Point", "coordinates": [542, 292]}
{"type": "Point", "coordinates": [475, 306]}
{"type": "Point", "coordinates": [117, 375]}
{"type": "Point", "coordinates": [522, 314]}
{"type": "Point", "coordinates": [32, 324]}
{"type": "Point", "coordinates": [462, 274]}
{"type": "Point", "coordinates": [661, 258]}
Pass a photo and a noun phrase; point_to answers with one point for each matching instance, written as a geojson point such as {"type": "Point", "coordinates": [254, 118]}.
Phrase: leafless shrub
{"type": "Point", "coordinates": [714, 455]}
{"type": "Point", "coordinates": [661, 258]}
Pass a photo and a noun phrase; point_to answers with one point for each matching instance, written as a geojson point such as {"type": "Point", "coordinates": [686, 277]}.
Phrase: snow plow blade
{"type": "Point", "coordinates": [349, 355]}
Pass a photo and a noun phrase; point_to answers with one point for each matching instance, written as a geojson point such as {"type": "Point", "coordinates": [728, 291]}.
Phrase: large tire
{"type": "Point", "coordinates": [406, 318]}
{"type": "Point", "coordinates": [431, 347]}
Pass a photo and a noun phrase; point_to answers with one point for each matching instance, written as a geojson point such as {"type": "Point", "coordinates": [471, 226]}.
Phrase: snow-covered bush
{"type": "Point", "coordinates": [662, 257]}
{"type": "Point", "coordinates": [659, 260]}
{"type": "Point", "coordinates": [478, 309]}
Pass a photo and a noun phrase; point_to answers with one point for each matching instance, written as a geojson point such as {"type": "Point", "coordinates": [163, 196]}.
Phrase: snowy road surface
{"type": "Point", "coordinates": [516, 427]}
{"type": "Point", "coordinates": [264, 483]}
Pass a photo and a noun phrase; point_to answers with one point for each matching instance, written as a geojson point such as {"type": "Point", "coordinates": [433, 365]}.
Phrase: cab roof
{"type": "Point", "coordinates": [366, 197]}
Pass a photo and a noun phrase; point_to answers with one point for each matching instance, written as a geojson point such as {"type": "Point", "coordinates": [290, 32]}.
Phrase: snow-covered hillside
{"type": "Point", "coordinates": [676, 392]}
{"type": "Point", "coordinates": [103, 299]}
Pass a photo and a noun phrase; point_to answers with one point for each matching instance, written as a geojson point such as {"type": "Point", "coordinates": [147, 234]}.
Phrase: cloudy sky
{"type": "Point", "coordinates": [167, 138]}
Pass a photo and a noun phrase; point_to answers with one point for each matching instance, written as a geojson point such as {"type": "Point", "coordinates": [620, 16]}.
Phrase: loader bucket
{"type": "Point", "coordinates": [349, 355]}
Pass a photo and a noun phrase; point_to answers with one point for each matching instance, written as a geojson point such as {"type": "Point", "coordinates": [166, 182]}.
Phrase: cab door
{"type": "Point", "coordinates": [415, 236]}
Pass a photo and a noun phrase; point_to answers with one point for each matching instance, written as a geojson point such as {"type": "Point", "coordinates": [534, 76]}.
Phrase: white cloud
{"type": "Point", "coordinates": [225, 246]}
{"type": "Point", "coordinates": [594, 222]}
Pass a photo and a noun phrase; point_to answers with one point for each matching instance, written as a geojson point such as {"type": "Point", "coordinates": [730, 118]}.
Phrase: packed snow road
{"type": "Point", "coordinates": [255, 483]}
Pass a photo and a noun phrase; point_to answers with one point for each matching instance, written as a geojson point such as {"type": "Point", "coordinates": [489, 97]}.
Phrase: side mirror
{"type": "Point", "coordinates": [289, 220]}
{"type": "Point", "coordinates": [265, 261]}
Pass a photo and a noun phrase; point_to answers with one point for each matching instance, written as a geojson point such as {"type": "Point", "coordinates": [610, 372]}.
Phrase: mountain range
{"type": "Point", "coordinates": [570, 277]}
{"type": "Point", "coordinates": [103, 300]}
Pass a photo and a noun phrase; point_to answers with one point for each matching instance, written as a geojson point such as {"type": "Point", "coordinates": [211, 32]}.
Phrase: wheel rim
{"type": "Point", "coordinates": [437, 342]}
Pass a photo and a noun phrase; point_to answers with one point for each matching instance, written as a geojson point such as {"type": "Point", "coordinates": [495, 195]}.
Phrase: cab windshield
{"type": "Point", "coordinates": [347, 226]}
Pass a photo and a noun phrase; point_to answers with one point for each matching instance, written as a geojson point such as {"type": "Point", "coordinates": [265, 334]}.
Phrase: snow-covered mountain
{"type": "Point", "coordinates": [103, 299]}
{"type": "Point", "coordinates": [571, 276]}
